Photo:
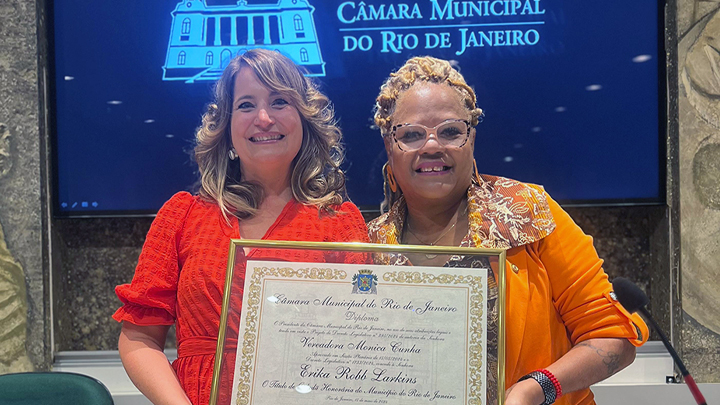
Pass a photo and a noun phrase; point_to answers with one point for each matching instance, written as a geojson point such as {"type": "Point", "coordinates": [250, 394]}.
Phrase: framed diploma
{"type": "Point", "coordinates": [327, 323]}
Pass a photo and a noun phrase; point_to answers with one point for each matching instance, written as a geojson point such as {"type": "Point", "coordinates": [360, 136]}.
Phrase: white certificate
{"type": "Point", "coordinates": [326, 333]}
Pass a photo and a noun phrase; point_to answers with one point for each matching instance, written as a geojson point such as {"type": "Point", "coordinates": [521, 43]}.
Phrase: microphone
{"type": "Point", "coordinates": [634, 300]}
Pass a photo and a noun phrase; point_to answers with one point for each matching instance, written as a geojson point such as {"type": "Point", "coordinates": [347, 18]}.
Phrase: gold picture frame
{"type": "Point", "coordinates": [371, 249]}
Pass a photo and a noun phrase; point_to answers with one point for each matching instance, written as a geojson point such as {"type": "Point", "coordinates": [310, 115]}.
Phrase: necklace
{"type": "Point", "coordinates": [430, 255]}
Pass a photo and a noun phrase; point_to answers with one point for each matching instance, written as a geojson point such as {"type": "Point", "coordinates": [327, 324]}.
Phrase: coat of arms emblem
{"type": "Point", "coordinates": [364, 282]}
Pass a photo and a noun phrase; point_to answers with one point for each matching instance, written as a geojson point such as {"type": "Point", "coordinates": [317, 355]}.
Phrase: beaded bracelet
{"type": "Point", "coordinates": [549, 384]}
{"type": "Point", "coordinates": [556, 383]}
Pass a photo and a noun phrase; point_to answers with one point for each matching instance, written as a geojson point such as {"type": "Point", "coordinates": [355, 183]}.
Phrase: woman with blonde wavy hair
{"type": "Point", "coordinates": [268, 154]}
{"type": "Point", "coordinates": [565, 331]}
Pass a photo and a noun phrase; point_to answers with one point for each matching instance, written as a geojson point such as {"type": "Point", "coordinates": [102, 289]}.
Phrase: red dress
{"type": "Point", "coordinates": [181, 271]}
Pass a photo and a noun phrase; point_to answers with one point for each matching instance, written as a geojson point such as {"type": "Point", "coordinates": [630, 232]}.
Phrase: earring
{"type": "Point", "coordinates": [390, 178]}
{"type": "Point", "coordinates": [477, 175]}
{"type": "Point", "coordinates": [232, 154]}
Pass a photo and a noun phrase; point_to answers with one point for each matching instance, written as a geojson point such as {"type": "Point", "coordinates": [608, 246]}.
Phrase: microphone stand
{"type": "Point", "coordinates": [694, 390]}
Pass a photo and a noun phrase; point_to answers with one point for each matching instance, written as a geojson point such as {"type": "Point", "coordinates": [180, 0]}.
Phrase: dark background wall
{"type": "Point", "coordinates": [97, 254]}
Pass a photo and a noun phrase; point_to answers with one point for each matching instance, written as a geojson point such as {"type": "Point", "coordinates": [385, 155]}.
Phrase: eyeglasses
{"type": "Point", "coordinates": [450, 133]}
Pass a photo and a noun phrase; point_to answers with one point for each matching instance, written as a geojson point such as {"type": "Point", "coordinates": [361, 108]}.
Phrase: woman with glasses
{"type": "Point", "coordinates": [564, 329]}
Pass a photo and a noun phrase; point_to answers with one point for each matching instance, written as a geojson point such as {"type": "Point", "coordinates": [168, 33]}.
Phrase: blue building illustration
{"type": "Point", "coordinates": [204, 38]}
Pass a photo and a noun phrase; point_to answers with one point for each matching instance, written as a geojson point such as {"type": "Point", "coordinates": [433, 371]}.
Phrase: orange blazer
{"type": "Point", "coordinates": [557, 296]}
{"type": "Point", "coordinates": [557, 292]}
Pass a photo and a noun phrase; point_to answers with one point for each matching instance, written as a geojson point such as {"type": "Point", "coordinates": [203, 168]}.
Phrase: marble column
{"type": "Point", "coordinates": [24, 314]}
{"type": "Point", "coordinates": [699, 150]}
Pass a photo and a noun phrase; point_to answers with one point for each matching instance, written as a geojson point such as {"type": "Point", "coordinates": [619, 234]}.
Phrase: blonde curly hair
{"type": "Point", "coordinates": [422, 69]}
{"type": "Point", "coordinates": [418, 69]}
{"type": "Point", "coordinates": [316, 177]}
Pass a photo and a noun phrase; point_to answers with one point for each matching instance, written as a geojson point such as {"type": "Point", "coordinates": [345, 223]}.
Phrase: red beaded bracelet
{"type": "Point", "coordinates": [556, 383]}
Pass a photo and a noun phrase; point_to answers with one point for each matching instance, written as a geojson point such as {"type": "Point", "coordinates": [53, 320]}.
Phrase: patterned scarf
{"type": "Point", "coordinates": [502, 213]}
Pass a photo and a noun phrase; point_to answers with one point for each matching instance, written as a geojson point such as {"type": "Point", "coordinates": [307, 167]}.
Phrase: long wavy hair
{"type": "Point", "coordinates": [316, 177]}
{"type": "Point", "coordinates": [418, 69]}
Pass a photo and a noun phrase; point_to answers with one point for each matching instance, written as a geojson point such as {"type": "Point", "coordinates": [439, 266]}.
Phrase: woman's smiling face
{"type": "Point", "coordinates": [433, 172]}
{"type": "Point", "coordinates": [266, 129]}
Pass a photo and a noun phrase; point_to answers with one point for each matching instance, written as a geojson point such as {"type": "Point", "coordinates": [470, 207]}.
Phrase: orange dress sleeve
{"type": "Point", "coordinates": [580, 287]}
{"type": "Point", "coordinates": [150, 299]}
{"type": "Point", "coordinates": [349, 226]}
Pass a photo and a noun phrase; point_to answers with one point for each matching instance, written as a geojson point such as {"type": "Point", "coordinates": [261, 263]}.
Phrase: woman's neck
{"type": "Point", "coordinates": [277, 192]}
{"type": "Point", "coordinates": [436, 224]}
{"type": "Point", "coordinates": [442, 225]}
{"type": "Point", "coordinates": [275, 183]}
{"type": "Point", "coordinates": [428, 218]}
